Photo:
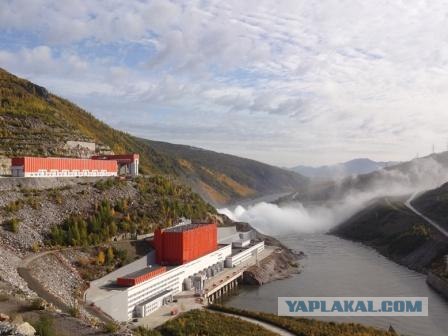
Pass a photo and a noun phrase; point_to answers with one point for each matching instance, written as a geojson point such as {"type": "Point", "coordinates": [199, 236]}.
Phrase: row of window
{"type": "Point", "coordinates": [169, 283]}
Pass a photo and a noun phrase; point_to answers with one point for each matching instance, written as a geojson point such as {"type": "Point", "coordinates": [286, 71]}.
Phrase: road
{"type": "Point", "coordinates": [270, 327]}
{"type": "Point", "coordinates": [429, 220]}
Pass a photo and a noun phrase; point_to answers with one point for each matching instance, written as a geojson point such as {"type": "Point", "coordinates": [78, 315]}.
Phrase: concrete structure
{"type": "Point", "coordinates": [241, 243]}
{"type": "Point", "coordinates": [141, 288]}
{"type": "Point", "coordinates": [127, 163]}
{"type": "Point", "coordinates": [61, 167]}
{"type": "Point", "coordinates": [81, 144]}
{"type": "Point", "coordinates": [239, 256]}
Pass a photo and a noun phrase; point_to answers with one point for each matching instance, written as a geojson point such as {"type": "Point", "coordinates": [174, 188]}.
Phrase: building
{"type": "Point", "coordinates": [106, 165]}
{"type": "Point", "coordinates": [61, 167]}
{"type": "Point", "coordinates": [127, 163]}
{"type": "Point", "coordinates": [185, 256]}
{"type": "Point", "coordinates": [183, 243]}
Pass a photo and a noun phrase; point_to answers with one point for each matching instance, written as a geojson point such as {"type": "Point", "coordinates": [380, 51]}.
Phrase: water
{"type": "Point", "coordinates": [337, 267]}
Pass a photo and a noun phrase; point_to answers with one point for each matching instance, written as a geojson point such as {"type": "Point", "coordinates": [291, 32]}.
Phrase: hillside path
{"type": "Point", "coordinates": [270, 327]}
{"type": "Point", "coordinates": [429, 220]}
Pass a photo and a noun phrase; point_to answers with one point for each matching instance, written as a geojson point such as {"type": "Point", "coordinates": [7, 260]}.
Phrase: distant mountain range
{"type": "Point", "coordinates": [36, 122]}
{"type": "Point", "coordinates": [342, 170]}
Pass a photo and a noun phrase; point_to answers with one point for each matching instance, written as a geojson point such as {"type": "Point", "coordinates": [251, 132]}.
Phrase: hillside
{"type": "Point", "coordinates": [35, 122]}
{"type": "Point", "coordinates": [223, 177]}
{"type": "Point", "coordinates": [342, 170]}
{"type": "Point", "coordinates": [85, 212]}
{"type": "Point", "coordinates": [390, 227]}
{"type": "Point", "coordinates": [434, 204]}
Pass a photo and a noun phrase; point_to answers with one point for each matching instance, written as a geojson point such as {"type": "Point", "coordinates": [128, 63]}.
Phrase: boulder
{"type": "Point", "coordinates": [26, 329]}
{"type": "Point", "coordinates": [4, 317]}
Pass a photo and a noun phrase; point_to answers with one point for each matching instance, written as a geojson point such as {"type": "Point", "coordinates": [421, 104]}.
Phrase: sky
{"type": "Point", "coordinates": [283, 82]}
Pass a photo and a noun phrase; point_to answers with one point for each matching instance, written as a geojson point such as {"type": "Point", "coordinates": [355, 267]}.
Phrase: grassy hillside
{"type": "Point", "coordinates": [434, 204]}
{"type": "Point", "coordinates": [36, 122]}
{"type": "Point", "coordinates": [223, 177]}
{"type": "Point", "coordinates": [396, 232]}
{"type": "Point", "coordinates": [307, 327]}
{"type": "Point", "coordinates": [202, 322]}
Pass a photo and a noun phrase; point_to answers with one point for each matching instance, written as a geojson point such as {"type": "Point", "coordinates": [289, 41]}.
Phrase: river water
{"type": "Point", "coordinates": [337, 267]}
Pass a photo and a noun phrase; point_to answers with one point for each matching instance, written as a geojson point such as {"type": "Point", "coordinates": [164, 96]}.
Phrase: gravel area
{"type": "Point", "coordinates": [58, 279]}
{"type": "Point", "coordinates": [8, 270]}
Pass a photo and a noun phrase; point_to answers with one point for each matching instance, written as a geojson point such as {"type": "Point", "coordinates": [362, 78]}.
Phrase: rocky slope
{"type": "Point", "coordinates": [279, 265]}
{"type": "Point", "coordinates": [35, 122]}
{"type": "Point", "coordinates": [31, 209]}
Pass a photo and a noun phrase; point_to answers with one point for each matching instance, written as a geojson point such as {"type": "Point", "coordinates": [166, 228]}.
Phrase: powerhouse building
{"type": "Point", "coordinates": [183, 243]}
{"type": "Point", "coordinates": [184, 257]}
{"type": "Point", "coordinates": [110, 165]}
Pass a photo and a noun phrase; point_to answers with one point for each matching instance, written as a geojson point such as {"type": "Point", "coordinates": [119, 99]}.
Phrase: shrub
{"type": "Point", "coordinates": [37, 304]}
{"type": "Point", "coordinates": [44, 326]}
{"type": "Point", "coordinates": [12, 225]}
{"type": "Point", "coordinates": [74, 311]}
{"type": "Point", "coordinates": [14, 206]}
{"type": "Point", "coordinates": [110, 327]}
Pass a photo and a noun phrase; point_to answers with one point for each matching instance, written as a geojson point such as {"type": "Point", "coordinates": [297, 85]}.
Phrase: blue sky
{"type": "Point", "coordinates": [283, 82]}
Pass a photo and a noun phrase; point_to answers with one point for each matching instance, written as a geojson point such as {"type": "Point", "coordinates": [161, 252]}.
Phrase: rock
{"type": "Point", "coordinates": [4, 317]}
{"type": "Point", "coordinates": [26, 329]}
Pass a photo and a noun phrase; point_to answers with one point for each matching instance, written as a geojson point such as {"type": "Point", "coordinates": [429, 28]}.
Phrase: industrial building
{"type": "Point", "coordinates": [61, 167]}
{"type": "Point", "coordinates": [72, 167]}
{"type": "Point", "coordinates": [127, 163]}
{"type": "Point", "coordinates": [183, 243]}
{"type": "Point", "coordinates": [184, 257]}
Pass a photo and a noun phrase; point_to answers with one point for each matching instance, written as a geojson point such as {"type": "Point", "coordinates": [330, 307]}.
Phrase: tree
{"type": "Point", "coordinates": [101, 258]}
{"type": "Point", "coordinates": [110, 256]}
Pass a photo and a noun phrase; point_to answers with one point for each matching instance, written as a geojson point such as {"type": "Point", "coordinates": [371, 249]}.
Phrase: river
{"type": "Point", "coordinates": [337, 267]}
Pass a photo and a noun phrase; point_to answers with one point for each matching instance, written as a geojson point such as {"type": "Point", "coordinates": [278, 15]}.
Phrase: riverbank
{"type": "Point", "coordinates": [281, 264]}
{"type": "Point", "coordinates": [392, 229]}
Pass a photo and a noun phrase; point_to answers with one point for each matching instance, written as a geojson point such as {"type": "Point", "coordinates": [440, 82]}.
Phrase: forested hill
{"type": "Point", "coordinates": [35, 122]}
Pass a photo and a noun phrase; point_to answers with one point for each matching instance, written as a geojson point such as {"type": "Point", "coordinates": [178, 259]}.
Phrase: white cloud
{"type": "Point", "coordinates": [322, 80]}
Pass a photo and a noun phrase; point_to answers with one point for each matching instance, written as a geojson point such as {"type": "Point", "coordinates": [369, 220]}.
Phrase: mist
{"type": "Point", "coordinates": [295, 218]}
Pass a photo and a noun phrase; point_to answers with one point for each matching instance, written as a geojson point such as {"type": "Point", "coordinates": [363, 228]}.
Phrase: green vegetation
{"type": "Point", "coordinates": [102, 260]}
{"type": "Point", "coordinates": [12, 225]}
{"type": "Point", "coordinates": [74, 311]}
{"type": "Point", "coordinates": [307, 327]}
{"type": "Point", "coordinates": [13, 206]}
{"type": "Point", "coordinates": [439, 268]}
{"type": "Point", "coordinates": [406, 242]}
{"type": "Point", "coordinates": [159, 202]}
{"type": "Point", "coordinates": [44, 327]}
{"type": "Point", "coordinates": [202, 322]}
{"type": "Point", "coordinates": [110, 327]}
{"type": "Point", "coordinates": [37, 304]}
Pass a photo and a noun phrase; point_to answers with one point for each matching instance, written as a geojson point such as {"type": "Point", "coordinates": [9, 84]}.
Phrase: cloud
{"type": "Point", "coordinates": [294, 218]}
{"type": "Point", "coordinates": [329, 79]}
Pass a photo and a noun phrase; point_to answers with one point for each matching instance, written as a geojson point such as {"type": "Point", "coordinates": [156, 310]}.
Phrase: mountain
{"type": "Point", "coordinates": [35, 122]}
{"type": "Point", "coordinates": [407, 177]}
{"type": "Point", "coordinates": [341, 170]}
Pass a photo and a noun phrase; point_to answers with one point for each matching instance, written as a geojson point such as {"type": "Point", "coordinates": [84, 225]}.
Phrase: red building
{"type": "Point", "coordinates": [140, 276]}
{"type": "Point", "coordinates": [183, 243]}
{"type": "Point", "coordinates": [53, 167]}
{"type": "Point", "coordinates": [127, 163]}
